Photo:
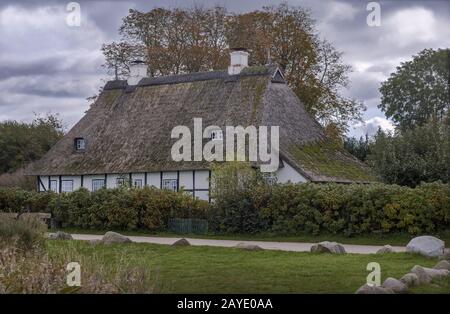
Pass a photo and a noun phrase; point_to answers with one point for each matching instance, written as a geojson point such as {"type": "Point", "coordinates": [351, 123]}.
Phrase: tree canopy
{"type": "Point", "coordinates": [198, 39]}
{"type": "Point", "coordinates": [419, 90]}
{"type": "Point", "coordinates": [22, 143]}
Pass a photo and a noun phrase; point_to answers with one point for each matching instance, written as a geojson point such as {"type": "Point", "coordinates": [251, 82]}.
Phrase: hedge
{"type": "Point", "coordinates": [286, 209]}
{"type": "Point", "coordinates": [122, 208]}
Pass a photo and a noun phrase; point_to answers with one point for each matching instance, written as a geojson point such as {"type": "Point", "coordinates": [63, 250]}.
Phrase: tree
{"type": "Point", "coordinates": [22, 143]}
{"type": "Point", "coordinates": [414, 155]}
{"type": "Point", "coordinates": [418, 90]}
{"type": "Point", "coordinates": [359, 148]}
{"type": "Point", "coordinates": [191, 40]}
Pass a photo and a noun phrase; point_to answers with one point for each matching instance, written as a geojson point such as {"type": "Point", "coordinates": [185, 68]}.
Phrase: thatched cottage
{"type": "Point", "coordinates": [125, 135]}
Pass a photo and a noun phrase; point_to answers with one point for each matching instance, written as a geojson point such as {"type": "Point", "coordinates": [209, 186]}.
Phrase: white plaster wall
{"type": "Point", "coordinates": [138, 176]}
{"type": "Point", "coordinates": [203, 195]}
{"type": "Point", "coordinates": [170, 175]}
{"type": "Point", "coordinates": [186, 179]}
{"type": "Point", "coordinates": [201, 179]}
{"type": "Point", "coordinates": [153, 179]}
{"type": "Point", "coordinates": [287, 173]}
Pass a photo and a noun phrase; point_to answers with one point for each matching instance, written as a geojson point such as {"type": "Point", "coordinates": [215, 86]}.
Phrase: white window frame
{"type": "Point", "coordinates": [64, 187]}
{"type": "Point", "coordinates": [137, 183]}
{"type": "Point", "coordinates": [120, 182]}
{"type": "Point", "coordinates": [80, 143]}
{"type": "Point", "coordinates": [96, 181]}
{"type": "Point", "coordinates": [170, 184]}
{"type": "Point", "coordinates": [53, 186]}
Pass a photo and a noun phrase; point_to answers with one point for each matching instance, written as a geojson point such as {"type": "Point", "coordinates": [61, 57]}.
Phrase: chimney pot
{"type": "Point", "coordinates": [138, 70]}
{"type": "Point", "coordinates": [238, 61]}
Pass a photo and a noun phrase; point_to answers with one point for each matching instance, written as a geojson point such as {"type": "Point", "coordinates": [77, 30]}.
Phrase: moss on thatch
{"type": "Point", "coordinates": [325, 158]}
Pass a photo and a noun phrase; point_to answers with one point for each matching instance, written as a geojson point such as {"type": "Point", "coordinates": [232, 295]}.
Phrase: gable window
{"type": "Point", "coordinates": [137, 183]}
{"type": "Point", "coordinates": [80, 144]}
{"type": "Point", "coordinates": [97, 184]}
{"type": "Point", "coordinates": [170, 184]}
{"type": "Point", "coordinates": [54, 186]}
{"type": "Point", "coordinates": [216, 135]}
{"type": "Point", "coordinates": [66, 185]}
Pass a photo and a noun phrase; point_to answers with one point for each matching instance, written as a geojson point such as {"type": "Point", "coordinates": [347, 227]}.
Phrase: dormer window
{"type": "Point", "coordinates": [216, 135]}
{"type": "Point", "coordinates": [80, 144]}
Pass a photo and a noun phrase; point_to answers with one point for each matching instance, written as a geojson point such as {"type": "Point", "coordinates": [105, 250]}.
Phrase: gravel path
{"type": "Point", "coordinates": [283, 246]}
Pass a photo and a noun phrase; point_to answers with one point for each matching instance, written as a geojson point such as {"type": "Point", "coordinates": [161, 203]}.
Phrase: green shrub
{"type": "Point", "coordinates": [27, 233]}
{"type": "Point", "coordinates": [239, 193]}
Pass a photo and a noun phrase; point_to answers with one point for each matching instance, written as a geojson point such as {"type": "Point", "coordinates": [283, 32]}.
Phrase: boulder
{"type": "Point", "coordinates": [426, 245]}
{"type": "Point", "coordinates": [442, 265]}
{"type": "Point", "coordinates": [386, 249]}
{"type": "Point", "coordinates": [181, 242]}
{"type": "Point", "coordinates": [426, 275]}
{"type": "Point", "coordinates": [59, 235]}
{"type": "Point", "coordinates": [395, 285]}
{"type": "Point", "coordinates": [114, 237]}
{"type": "Point", "coordinates": [366, 289]}
{"type": "Point", "coordinates": [410, 280]}
{"type": "Point", "coordinates": [248, 247]}
{"type": "Point", "coordinates": [328, 247]}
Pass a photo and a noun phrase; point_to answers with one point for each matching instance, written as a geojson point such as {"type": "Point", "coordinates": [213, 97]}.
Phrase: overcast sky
{"type": "Point", "coordinates": [47, 66]}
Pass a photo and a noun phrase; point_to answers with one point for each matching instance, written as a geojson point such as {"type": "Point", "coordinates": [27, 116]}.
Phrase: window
{"type": "Point", "coordinates": [120, 182]}
{"type": "Point", "coordinates": [66, 185]}
{"type": "Point", "coordinates": [170, 184]}
{"type": "Point", "coordinates": [80, 144]}
{"type": "Point", "coordinates": [97, 184]}
{"type": "Point", "coordinates": [138, 183]}
{"type": "Point", "coordinates": [216, 135]}
{"type": "Point", "coordinates": [54, 186]}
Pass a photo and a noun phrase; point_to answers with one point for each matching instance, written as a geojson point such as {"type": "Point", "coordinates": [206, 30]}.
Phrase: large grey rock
{"type": "Point", "coordinates": [442, 265]}
{"type": "Point", "coordinates": [248, 247]}
{"type": "Point", "coordinates": [426, 275]}
{"type": "Point", "coordinates": [181, 242]}
{"type": "Point", "coordinates": [60, 235]}
{"type": "Point", "coordinates": [328, 247]}
{"type": "Point", "coordinates": [427, 246]}
{"type": "Point", "coordinates": [395, 285]}
{"type": "Point", "coordinates": [410, 280]}
{"type": "Point", "coordinates": [366, 289]}
{"type": "Point", "coordinates": [386, 249]}
{"type": "Point", "coordinates": [113, 237]}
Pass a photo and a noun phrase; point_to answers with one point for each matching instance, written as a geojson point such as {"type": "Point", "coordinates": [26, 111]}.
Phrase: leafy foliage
{"type": "Point", "coordinates": [22, 143]}
{"type": "Point", "coordinates": [359, 148]}
{"type": "Point", "coordinates": [419, 89]}
{"type": "Point", "coordinates": [415, 155]}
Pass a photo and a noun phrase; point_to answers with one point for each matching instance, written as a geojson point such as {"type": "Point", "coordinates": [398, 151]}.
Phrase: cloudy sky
{"type": "Point", "coordinates": [47, 66]}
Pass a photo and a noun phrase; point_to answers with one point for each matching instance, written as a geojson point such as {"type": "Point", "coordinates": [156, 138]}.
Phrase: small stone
{"type": "Point", "coordinates": [386, 249]}
{"type": "Point", "coordinates": [181, 242]}
{"type": "Point", "coordinates": [395, 285]}
{"type": "Point", "coordinates": [328, 247]}
{"type": "Point", "coordinates": [426, 275]}
{"type": "Point", "coordinates": [60, 235]}
{"type": "Point", "coordinates": [410, 280]}
{"type": "Point", "coordinates": [446, 255]}
{"type": "Point", "coordinates": [366, 289]}
{"type": "Point", "coordinates": [114, 237]}
{"type": "Point", "coordinates": [248, 247]}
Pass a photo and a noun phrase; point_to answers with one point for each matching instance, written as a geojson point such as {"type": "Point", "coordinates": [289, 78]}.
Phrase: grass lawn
{"type": "Point", "coordinates": [373, 239]}
{"type": "Point", "coordinates": [197, 269]}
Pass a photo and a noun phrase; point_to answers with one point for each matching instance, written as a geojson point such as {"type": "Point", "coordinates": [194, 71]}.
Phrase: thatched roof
{"type": "Point", "coordinates": [128, 128]}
